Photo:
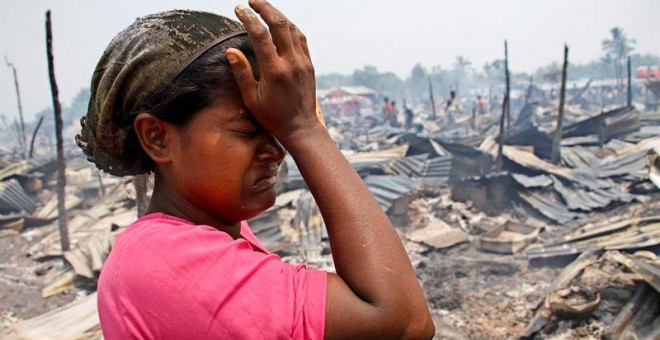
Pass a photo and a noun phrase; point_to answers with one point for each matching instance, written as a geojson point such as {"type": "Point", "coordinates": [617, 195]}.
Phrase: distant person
{"type": "Point", "coordinates": [478, 110]}
{"type": "Point", "coordinates": [479, 106]}
{"type": "Point", "coordinates": [452, 106]}
{"type": "Point", "coordinates": [408, 116]}
{"type": "Point", "coordinates": [387, 107]}
{"type": "Point", "coordinates": [392, 119]}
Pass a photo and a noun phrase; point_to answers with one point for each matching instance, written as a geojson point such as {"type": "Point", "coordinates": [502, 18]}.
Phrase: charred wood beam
{"type": "Point", "coordinates": [61, 164]}
{"type": "Point", "coordinates": [431, 98]}
{"type": "Point", "coordinates": [556, 143]}
{"type": "Point", "coordinates": [543, 314]}
{"type": "Point", "coordinates": [629, 89]}
{"type": "Point", "coordinates": [628, 312]}
{"type": "Point", "coordinates": [34, 136]}
{"type": "Point", "coordinates": [508, 85]}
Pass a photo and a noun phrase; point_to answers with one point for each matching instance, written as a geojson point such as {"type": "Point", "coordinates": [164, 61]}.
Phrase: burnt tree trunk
{"type": "Point", "coordinates": [559, 132]}
{"type": "Point", "coordinates": [61, 164]}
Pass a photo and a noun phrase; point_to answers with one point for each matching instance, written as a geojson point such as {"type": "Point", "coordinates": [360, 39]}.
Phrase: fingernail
{"type": "Point", "coordinates": [232, 58]}
{"type": "Point", "coordinates": [240, 8]}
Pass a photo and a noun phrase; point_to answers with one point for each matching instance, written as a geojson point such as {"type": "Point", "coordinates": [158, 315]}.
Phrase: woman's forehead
{"type": "Point", "coordinates": [230, 109]}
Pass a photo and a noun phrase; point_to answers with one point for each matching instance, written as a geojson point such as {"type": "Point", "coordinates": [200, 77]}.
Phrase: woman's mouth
{"type": "Point", "coordinates": [268, 180]}
{"type": "Point", "coordinates": [264, 184]}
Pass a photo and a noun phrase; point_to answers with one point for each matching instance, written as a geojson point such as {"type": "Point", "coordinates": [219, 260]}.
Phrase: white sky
{"type": "Point", "coordinates": [343, 35]}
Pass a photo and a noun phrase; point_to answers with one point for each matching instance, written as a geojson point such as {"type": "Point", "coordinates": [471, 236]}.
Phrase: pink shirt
{"type": "Point", "coordinates": [167, 278]}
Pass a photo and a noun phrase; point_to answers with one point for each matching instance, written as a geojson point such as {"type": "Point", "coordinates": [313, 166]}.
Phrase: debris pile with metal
{"type": "Point", "coordinates": [488, 227]}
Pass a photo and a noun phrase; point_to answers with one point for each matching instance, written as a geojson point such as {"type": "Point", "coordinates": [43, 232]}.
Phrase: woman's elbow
{"type": "Point", "coordinates": [422, 328]}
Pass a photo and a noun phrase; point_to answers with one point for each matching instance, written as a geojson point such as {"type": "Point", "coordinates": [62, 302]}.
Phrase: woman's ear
{"type": "Point", "coordinates": [153, 134]}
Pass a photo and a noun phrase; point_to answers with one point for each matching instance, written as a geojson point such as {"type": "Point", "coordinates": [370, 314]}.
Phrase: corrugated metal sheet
{"type": "Point", "coordinates": [578, 157]}
{"type": "Point", "coordinates": [431, 172]}
{"type": "Point", "coordinates": [387, 189]}
{"type": "Point", "coordinates": [375, 161]}
{"type": "Point", "coordinates": [438, 170]}
{"type": "Point", "coordinates": [587, 200]}
{"type": "Point", "coordinates": [629, 234]}
{"type": "Point", "coordinates": [632, 166]}
{"type": "Point", "coordinates": [411, 166]}
{"type": "Point", "coordinates": [294, 177]}
{"type": "Point", "coordinates": [18, 168]}
{"type": "Point", "coordinates": [614, 123]}
{"type": "Point", "coordinates": [540, 181]}
{"type": "Point", "coordinates": [421, 145]}
{"type": "Point", "coordinates": [552, 210]}
{"type": "Point", "coordinates": [14, 199]}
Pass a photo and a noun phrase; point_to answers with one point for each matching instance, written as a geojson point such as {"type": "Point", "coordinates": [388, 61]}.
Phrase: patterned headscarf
{"type": "Point", "coordinates": [136, 64]}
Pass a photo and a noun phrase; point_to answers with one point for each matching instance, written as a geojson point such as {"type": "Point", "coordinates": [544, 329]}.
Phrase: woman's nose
{"type": "Point", "coordinates": [271, 149]}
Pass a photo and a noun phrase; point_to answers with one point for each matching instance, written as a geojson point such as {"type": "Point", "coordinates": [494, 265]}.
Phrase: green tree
{"type": "Point", "coordinates": [418, 82]}
{"type": "Point", "coordinates": [331, 80]}
{"type": "Point", "coordinates": [494, 71]}
{"type": "Point", "coordinates": [367, 76]}
{"type": "Point", "coordinates": [616, 51]}
{"type": "Point", "coordinates": [387, 84]}
{"type": "Point", "coordinates": [78, 107]}
{"type": "Point", "coordinates": [462, 70]}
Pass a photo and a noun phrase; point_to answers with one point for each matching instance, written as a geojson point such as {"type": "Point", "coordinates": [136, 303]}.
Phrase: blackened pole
{"type": "Point", "coordinates": [500, 148]}
{"type": "Point", "coordinates": [431, 97]}
{"type": "Point", "coordinates": [556, 143]}
{"type": "Point", "coordinates": [508, 85]}
{"type": "Point", "coordinates": [22, 138]}
{"type": "Point", "coordinates": [505, 105]}
{"type": "Point", "coordinates": [629, 101]}
{"type": "Point", "coordinates": [61, 165]}
{"type": "Point", "coordinates": [34, 136]}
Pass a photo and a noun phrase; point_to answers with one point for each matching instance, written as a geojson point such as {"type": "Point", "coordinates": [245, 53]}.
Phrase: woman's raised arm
{"type": "Point", "coordinates": [375, 292]}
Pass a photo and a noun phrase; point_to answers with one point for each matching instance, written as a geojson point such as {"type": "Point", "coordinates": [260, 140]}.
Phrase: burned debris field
{"type": "Point", "coordinates": [505, 243]}
{"type": "Point", "coordinates": [529, 205]}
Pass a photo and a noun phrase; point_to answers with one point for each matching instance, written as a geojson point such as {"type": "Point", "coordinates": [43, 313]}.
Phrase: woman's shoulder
{"type": "Point", "coordinates": [164, 228]}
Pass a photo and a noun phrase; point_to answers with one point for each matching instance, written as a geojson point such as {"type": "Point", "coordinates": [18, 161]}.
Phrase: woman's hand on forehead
{"type": "Point", "coordinates": [283, 100]}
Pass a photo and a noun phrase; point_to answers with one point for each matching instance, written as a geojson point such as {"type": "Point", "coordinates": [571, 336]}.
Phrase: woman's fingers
{"type": "Point", "coordinates": [300, 41]}
{"type": "Point", "coordinates": [280, 27]}
{"type": "Point", "coordinates": [243, 74]}
{"type": "Point", "coordinates": [264, 49]}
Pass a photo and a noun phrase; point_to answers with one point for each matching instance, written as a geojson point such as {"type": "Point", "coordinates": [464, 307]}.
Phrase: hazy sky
{"type": "Point", "coordinates": [343, 35]}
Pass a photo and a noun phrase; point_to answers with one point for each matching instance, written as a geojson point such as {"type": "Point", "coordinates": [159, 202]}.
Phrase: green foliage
{"type": "Point", "coordinates": [78, 107]}
{"type": "Point", "coordinates": [616, 51]}
{"type": "Point", "coordinates": [418, 83]}
{"type": "Point", "coordinates": [387, 83]}
{"type": "Point", "coordinates": [331, 80]}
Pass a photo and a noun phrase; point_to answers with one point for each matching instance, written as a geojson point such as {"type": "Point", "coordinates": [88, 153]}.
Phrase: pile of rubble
{"type": "Point", "coordinates": [505, 243]}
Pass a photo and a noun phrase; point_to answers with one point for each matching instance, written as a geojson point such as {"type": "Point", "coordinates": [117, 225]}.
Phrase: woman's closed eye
{"type": "Point", "coordinates": [249, 130]}
{"type": "Point", "coordinates": [244, 124]}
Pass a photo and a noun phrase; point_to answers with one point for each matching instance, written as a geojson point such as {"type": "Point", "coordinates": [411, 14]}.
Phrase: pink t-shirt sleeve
{"type": "Point", "coordinates": [188, 282]}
